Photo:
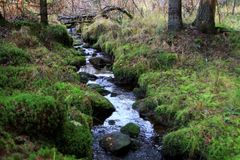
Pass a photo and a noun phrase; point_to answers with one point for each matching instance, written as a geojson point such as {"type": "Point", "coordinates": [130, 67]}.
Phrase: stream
{"type": "Point", "coordinates": [122, 100]}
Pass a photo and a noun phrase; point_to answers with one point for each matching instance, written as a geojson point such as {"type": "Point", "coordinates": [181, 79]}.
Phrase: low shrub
{"type": "Point", "coordinates": [12, 55]}
{"type": "Point", "coordinates": [24, 38]}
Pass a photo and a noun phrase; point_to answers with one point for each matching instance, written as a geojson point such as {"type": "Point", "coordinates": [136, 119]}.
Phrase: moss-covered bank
{"type": "Point", "coordinates": [45, 112]}
{"type": "Point", "coordinates": [186, 81]}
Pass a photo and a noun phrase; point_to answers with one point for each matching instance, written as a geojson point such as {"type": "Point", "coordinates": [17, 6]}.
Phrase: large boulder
{"type": "Point", "coordinates": [131, 129]}
{"type": "Point", "coordinates": [100, 62]}
{"type": "Point", "coordinates": [116, 143]}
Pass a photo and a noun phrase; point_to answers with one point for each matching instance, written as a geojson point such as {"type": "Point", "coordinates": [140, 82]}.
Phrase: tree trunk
{"type": "Point", "coordinates": [234, 6]}
{"type": "Point", "coordinates": [43, 12]}
{"type": "Point", "coordinates": [174, 15]}
{"type": "Point", "coordinates": [205, 20]}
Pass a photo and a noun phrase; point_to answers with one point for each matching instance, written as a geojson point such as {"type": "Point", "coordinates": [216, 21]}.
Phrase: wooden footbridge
{"type": "Point", "coordinates": [89, 18]}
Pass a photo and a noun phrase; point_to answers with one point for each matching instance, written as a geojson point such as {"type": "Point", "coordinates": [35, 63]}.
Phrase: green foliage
{"type": "Point", "coordinates": [184, 142]}
{"type": "Point", "coordinates": [20, 23]}
{"type": "Point", "coordinates": [234, 37]}
{"type": "Point", "coordinates": [33, 114]}
{"type": "Point", "coordinates": [162, 60]}
{"type": "Point", "coordinates": [75, 140]}
{"type": "Point", "coordinates": [12, 55]}
{"type": "Point", "coordinates": [6, 140]}
{"type": "Point", "coordinates": [49, 153]}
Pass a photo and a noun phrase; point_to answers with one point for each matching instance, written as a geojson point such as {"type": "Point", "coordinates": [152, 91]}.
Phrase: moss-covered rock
{"type": "Point", "coordinates": [99, 89]}
{"type": "Point", "coordinates": [33, 114]}
{"type": "Point", "coordinates": [75, 140]}
{"type": "Point", "coordinates": [87, 102]}
{"type": "Point", "coordinates": [131, 129]}
{"type": "Point", "coordinates": [92, 32]}
{"type": "Point", "coordinates": [77, 61]}
{"type": "Point", "coordinates": [56, 33]}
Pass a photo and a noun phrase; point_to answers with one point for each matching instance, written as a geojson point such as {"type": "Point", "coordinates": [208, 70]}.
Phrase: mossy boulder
{"type": "Point", "coordinates": [12, 55]}
{"type": "Point", "coordinates": [101, 26]}
{"type": "Point", "coordinates": [100, 62]}
{"type": "Point", "coordinates": [146, 107]}
{"type": "Point", "coordinates": [131, 129]}
{"type": "Point", "coordinates": [33, 114]}
{"type": "Point", "coordinates": [77, 61]}
{"type": "Point", "coordinates": [102, 108]}
{"type": "Point", "coordinates": [75, 140]}
{"type": "Point", "coordinates": [85, 77]}
{"type": "Point", "coordinates": [116, 143]}
{"type": "Point", "coordinates": [88, 102]}
{"type": "Point", "coordinates": [57, 33]}
{"type": "Point", "coordinates": [99, 89]}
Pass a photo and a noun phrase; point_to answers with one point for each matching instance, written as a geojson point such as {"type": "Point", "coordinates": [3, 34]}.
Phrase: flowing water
{"type": "Point", "coordinates": [122, 100]}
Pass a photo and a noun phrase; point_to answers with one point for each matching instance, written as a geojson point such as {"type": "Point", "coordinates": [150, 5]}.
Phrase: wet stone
{"type": "Point", "coordinates": [116, 143]}
{"type": "Point", "coordinates": [111, 122]}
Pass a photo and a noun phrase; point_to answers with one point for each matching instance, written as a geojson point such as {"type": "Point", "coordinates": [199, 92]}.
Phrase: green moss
{"type": "Point", "coordinates": [75, 140]}
{"type": "Point", "coordinates": [186, 95]}
{"type": "Point", "coordinates": [131, 129]}
{"type": "Point", "coordinates": [70, 96]}
{"type": "Point", "coordinates": [213, 138]}
{"type": "Point", "coordinates": [73, 96]}
{"type": "Point", "coordinates": [12, 55]}
{"type": "Point", "coordinates": [49, 153]}
{"type": "Point", "coordinates": [33, 114]}
{"type": "Point", "coordinates": [92, 32]}
{"type": "Point", "coordinates": [235, 43]}
{"type": "Point", "coordinates": [16, 77]}
{"type": "Point", "coordinates": [77, 61]}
